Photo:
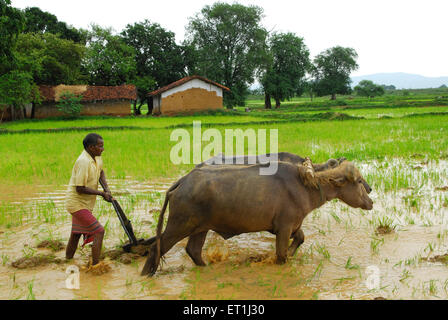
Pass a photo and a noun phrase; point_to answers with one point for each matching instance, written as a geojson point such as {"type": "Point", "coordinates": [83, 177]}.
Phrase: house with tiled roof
{"type": "Point", "coordinates": [187, 95]}
{"type": "Point", "coordinates": [96, 100]}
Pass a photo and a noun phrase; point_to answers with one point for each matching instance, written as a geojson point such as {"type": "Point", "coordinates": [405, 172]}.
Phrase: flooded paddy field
{"type": "Point", "coordinates": [398, 250]}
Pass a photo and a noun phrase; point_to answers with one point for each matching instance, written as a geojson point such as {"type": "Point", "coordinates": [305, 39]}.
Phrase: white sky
{"type": "Point", "coordinates": [388, 35]}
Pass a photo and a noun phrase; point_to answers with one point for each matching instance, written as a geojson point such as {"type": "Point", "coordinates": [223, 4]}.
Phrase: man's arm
{"type": "Point", "coordinates": [106, 194]}
{"type": "Point", "coordinates": [106, 187]}
{"type": "Point", "coordinates": [104, 182]}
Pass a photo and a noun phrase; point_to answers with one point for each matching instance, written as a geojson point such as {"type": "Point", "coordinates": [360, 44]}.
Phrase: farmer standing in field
{"type": "Point", "coordinates": [81, 197]}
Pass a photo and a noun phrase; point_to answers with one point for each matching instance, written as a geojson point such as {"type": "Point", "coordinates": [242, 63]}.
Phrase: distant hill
{"type": "Point", "coordinates": [402, 80]}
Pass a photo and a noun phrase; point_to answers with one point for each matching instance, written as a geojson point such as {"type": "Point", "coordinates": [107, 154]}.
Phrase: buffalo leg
{"type": "Point", "coordinates": [167, 241]}
{"type": "Point", "coordinates": [194, 247]}
{"type": "Point", "coordinates": [281, 244]}
{"type": "Point", "coordinates": [298, 239]}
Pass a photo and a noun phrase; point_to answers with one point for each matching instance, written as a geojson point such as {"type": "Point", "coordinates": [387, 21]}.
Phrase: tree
{"type": "Point", "coordinates": [16, 87]}
{"type": "Point", "coordinates": [38, 21]}
{"type": "Point", "coordinates": [332, 71]}
{"type": "Point", "coordinates": [390, 87]}
{"type": "Point", "coordinates": [109, 61]}
{"type": "Point", "coordinates": [70, 104]}
{"type": "Point", "coordinates": [159, 60]}
{"type": "Point", "coordinates": [286, 71]}
{"type": "Point", "coordinates": [367, 88]}
{"type": "Point", "coordinates": [16, 90]}
{"type": "Point", "coordinates": [49, 59]}
{"type": "Point", "coordinates": [12, 23]}
{"type": "Point", "coordinates": [230, 46]}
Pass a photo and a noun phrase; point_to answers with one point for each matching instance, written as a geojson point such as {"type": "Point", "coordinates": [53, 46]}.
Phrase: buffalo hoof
{"type": "Point", "coordinates": [280, 260]}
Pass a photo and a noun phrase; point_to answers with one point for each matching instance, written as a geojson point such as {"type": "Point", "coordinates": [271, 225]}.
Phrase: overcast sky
{"type": "Point", "coordinates": [388, 35]}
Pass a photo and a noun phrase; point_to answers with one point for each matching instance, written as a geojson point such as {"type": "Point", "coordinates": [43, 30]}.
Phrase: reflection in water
{"type": "Point", "coordinates": [340, 245]}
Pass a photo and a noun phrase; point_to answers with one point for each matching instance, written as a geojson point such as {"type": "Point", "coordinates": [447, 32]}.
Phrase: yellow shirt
{"type": "Point", "coordinates": [86, 173]}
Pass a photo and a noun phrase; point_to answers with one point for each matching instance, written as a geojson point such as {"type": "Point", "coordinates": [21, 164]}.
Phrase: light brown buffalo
{"type": "Point", "coordinates": [233, 199]}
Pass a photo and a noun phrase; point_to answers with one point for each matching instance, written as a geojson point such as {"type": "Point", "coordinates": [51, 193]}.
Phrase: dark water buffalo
{"type": "Point", "coordinates": [234, 199]}
{"type": "Point", "coordinates": [281, 156]}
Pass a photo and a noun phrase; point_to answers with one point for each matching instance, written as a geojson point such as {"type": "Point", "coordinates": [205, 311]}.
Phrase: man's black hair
{"type": "Point", "coordinates": [91, 140]}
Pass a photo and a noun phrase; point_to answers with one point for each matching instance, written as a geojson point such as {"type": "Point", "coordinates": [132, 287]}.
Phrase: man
{"type": "Point", "coordinates": [81, 197]}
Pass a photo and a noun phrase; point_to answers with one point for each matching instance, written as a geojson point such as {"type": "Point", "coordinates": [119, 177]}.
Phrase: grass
{"type": "Point", "coordinates": [145, 155]}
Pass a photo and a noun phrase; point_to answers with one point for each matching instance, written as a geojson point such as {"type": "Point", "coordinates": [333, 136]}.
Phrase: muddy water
{"type": "Point", "coordinates": [342, 257]}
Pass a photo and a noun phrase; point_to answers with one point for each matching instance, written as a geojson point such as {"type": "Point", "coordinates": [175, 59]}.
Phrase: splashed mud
{"type": "Point", "coordinates": [345, 254]}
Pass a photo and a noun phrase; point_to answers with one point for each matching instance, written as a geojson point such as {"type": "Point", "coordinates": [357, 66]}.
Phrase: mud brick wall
{"type": "Point", "coordinates": [190, 101]}
{"type": "Point", "coordinates": [100, 108]}
{"type": "Point", "coordinates": [89, 93]}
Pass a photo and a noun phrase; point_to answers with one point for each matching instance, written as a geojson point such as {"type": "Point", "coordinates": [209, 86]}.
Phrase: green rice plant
{"type": "Point", "coordinates": [431, 287]}
{"type": "Point", "coordinates": [413, 201]}
{"type": "Point", "coordinates": [384, 225]}
{"type": "Point", "coordinates": [46, 211]}
{"type": "Point", "coordinates": [413, 261]}
{"type": "Point", "coordinates": [430, 247]}
{"type": "Point", "coordinates": [350, 266]}
{"type": "Point", "coordinates": [318, 271]}
{"type": "Point", "coordinates": [405, 275]}
{"type": "Point", "coordinates": [323, 251]}
{"type": "Point", "coordinates": [375, 244]}
{"type": "Point", "coordinates": [4, 258]}
{"type": "Point", "coordinates": [28, 251]}
{"type": "Point", "coordinates": [335, 217]}
{"type": "Point", "coordinates": [445, 202]}
{"type": "Point", "coordinates": [342, 280]}
{"type": "Point", "coordinates": [30, 295]}
{"type": "Point", "coordinates": [277, 290]}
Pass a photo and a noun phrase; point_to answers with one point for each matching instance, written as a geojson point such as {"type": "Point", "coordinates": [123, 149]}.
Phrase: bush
{"type": "Point", "coordinates": [70, 104]}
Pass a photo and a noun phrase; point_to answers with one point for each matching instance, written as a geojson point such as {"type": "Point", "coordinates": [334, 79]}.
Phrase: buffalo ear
{"type": "Point", "coordinates": [337, 182]}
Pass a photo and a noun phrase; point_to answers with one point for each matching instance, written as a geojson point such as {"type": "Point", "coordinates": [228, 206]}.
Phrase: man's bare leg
{"type": "Point", "coordinates": [96, 248]}
{"type": "Point", "coordinates": [72, 245]}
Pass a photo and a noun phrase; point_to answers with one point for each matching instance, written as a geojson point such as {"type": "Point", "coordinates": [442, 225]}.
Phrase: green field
{"type": "Point", "coordinates": [139, 147]}
{"type": "Point", "coordinates": [400, 144]}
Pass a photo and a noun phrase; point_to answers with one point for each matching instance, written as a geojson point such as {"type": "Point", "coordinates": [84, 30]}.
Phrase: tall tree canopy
{"type": "Point", "coordinates": [12, 23]}
{"type": "Point", "coordinates": [367, 88]}
{"type": "Point", "coordinates": [38, 21]}
{"type": "Point", "coordinates": [230, 44]}
{"type": "Point", "coordinates": [49, 59]}
{"type": "Point", "coordinates": [109, 61]}
{"type": "Point", "coordinates": [289, 61]}
{"type": "Point", "coordinates": [16, 87]}
{"type": "Point", "coordinates": [159, 60]}
{"type": "Point", "coordinates": [332, 70]}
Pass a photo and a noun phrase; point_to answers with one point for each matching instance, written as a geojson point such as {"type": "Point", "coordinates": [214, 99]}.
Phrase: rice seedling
{"type": "Point", "coordinates": [375, 244]}
{"type": "Point", "coordinates": [318, 271]}
{"type": "Point", "coordinates": [323, 251]}
{"type": "Point", "coordinates": [277, 290]}
{"type": "Point", "coordinates": [430, 287]}
{"type": "Point", "coordinates": [5, 259]}
{"type": "Point", "coordinates": [405, 275]}
{"type": "Point", "coordinates": [335, 217]}
{"type": "Point", "coordinates": [28, 251]}
{"type": "Point", "coordinates": [430, 247]}
{"type": "Point", "coordinates": [384, 225]}
{"type": "Point", "coordinates": [350, 266]}
{"type": "Point", "coordinates": [339, 281]}
{"type": "Point", "coordinates": [30, 295]}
